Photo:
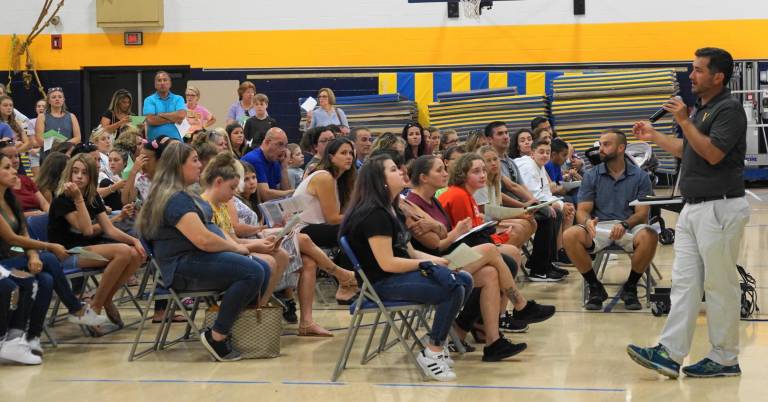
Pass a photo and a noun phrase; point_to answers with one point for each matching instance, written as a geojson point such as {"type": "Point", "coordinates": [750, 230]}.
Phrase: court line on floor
{"type": "Point", "coordinates": [503, 387]}
{"type": "Point", "coordinates": [326, 383]}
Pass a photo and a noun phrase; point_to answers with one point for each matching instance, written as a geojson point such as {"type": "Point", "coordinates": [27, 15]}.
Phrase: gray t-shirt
{"type": "Point", "coordinates": [723, 120]}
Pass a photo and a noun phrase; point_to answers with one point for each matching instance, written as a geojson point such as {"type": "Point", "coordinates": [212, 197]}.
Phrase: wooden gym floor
{"type": "Point", "coordinates": [575, 356]}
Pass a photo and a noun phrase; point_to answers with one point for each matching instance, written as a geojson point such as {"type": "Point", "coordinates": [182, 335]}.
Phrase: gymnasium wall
{"type": "Point", "coordinates": [390, 33]}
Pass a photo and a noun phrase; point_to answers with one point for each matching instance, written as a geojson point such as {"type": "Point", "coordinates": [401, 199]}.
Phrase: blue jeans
{"type": "Point", "coordinates": [243, 278]}
{"type": "Point", "coordinates": [53, 268]}
{"type": "Point", "coordinates": [42, 299]}
{"type": "Point", "coordinates": [413, 287]}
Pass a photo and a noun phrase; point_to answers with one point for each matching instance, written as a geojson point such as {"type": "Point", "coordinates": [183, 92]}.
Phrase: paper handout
{"type": "Point", "coordinates": [462, 256]}
{"type": "Point", "coordinates": [309, 104]}
{"type": "Point", "coordinates": [183, 127]}
{"type": "Point", "coordinates": [138, 120]}
{"type": "Point", "coordinates": [85, 254]}
{"type": "Point", "coordinates": [476, 229]}
{"type": "Point", "coordinates": [501, 213]}
{"type": "Point", "coordinates": [570, 185]}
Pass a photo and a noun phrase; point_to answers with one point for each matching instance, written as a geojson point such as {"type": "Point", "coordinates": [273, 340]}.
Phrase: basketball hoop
{"type": "Point", "coordinates": [474, 8]}
{"type": "Point", "coordinates": [471, 8]}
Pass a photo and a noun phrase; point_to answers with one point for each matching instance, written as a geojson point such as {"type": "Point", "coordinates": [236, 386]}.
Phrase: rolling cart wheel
{"type": "Point", "coordinates": [667, 236]}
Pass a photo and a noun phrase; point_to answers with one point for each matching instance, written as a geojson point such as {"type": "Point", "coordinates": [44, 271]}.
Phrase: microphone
{"type": "Point", "coordinates": [660, 113]}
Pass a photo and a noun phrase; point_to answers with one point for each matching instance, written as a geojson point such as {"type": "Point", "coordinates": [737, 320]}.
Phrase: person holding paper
{"type": "Point", "coordinates": [535, 177]}
{"type": "Point", "coordinates": [117, 117]}
{"type": "Point", "coordinates": [198, 116]}
{"type": "Point", "coordinates": [243, 107]}
{"type": "Point", "coordinates": [605, 218]}
{"type": "Point", "coordinates": [327, 113]}
{"type": "Point", "coordinates": [420, 207]}
{"type": "Point", "coordinates": [545, 241]}
{"type": "Point", "coordinates": [193, 252]}
{"type": "Point", "coordinates": [220, 179]}
{"type": "Point", "coordinates": [78, 218]}
{"type": "Point", "coordinates": [56, 119]}
{"type": "Point", "coordinates": [396, 270]}
{"type": "Point", "coordinates": [164, 109]}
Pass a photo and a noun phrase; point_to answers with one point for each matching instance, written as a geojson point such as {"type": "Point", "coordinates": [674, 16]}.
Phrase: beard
{"type": "Point", "coordinates": [608, 157]}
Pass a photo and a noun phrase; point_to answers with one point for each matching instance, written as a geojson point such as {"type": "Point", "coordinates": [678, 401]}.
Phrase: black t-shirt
{"type": "Point", "coordinates": [378, 223]}
{"type": "Point", "coordinates": [59, 229]}
{"type": "Point", "coordinates": [722, 120]}
{"type": "Point", "coordinates": [112, 120]}
{"type": "Point", "coordinates": [113, 200]}
{"type": "Point", "coordinates": [256, 129]}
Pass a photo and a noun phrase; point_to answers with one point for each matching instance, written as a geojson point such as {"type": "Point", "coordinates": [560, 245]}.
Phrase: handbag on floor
{"type": "Point", "coordinates": [256, 332]}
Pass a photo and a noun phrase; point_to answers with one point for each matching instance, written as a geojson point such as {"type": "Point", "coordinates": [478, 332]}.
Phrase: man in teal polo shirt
{"type": "Point", "coordinates": [164, 109]}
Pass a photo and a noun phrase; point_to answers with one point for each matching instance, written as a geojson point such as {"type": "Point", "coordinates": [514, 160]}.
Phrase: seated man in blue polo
{"type": "Point", "coordinates": [604, 218]}
{"type": "Point", "coordinates": [164, 109]}
{"type": "Point", "coordinates": [270, 161]}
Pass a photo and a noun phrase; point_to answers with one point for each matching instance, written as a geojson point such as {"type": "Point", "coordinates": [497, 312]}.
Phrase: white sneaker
{"type": "Point", "coordinates": [17, 350]}
{"type": "Point", "coordinates": [447, 357]}
{"type": "Point", "coordinates": [435, 365]}
{"type": "Point", "coordinates": [35, 347]}
{"type": "Point", "coordinates": [89, 318]}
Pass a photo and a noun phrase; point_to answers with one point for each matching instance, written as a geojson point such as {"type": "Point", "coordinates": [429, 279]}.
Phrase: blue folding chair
{"type": "Point", "coordinates": [370, 302]}
{"type": "Point", "coordinates": [162, 291]}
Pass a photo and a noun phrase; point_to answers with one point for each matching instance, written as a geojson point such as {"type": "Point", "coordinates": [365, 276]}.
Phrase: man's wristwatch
{"type": "Point", "coordinates": [624, 224]}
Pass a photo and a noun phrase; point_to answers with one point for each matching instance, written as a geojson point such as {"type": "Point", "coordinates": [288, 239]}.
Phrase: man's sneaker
{"type": "Point", "coordinates": [595, 297]}
{"type": "Point", "coordinates": [629, 296]}
{"type": "Point", "coordinates": [17, 350]}
{"type": "Point", "coordinates": [562, 258]}
{"type": "Point", "coordinates": [467, 347]}
{"type": "Point", "coordinates": [88, 318]}
{"type": "Point", "coordinates": [707, 368]}
{"type": "Point", "coordinates": [559, 270]}
{"type": "Point", "coordinates": [35, 347]}
{"type": "Point", "coordinates": [549, 276]}
{"type": "Point", "coordinates": [289, 312]}
{"type": "Point", "coordinates": [220, 350]}
{"type": "Point", "coordinates": [434, 365]}
{"type": "Point", "coordinates": [534, 312]}
{"type": "Point", "coordinates": [502, 349]}
{"type": "Point", "coordinates": [507, 323]}
{"type": "Point", "coordinates": [655, 358]}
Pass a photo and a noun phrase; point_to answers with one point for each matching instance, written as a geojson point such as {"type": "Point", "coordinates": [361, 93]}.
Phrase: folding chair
{"type": "Point", "coordinates": [370, 302]}
{"type": "Point", "coordinates": [162, 291]}
{"type": "Point", "coordinates": [600, 263]}
{"type": "Point", "coordinates": [37, 226]}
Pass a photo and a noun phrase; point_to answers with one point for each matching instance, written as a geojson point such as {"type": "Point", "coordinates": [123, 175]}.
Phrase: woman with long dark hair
{"type": "Point", "coordinates": [415, 142]}
{"type": "Point", "coordinates": [397, 271]}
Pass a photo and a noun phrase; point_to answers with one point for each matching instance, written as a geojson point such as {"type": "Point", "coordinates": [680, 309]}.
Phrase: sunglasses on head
{"type": "Point", "coordinates": [55, 89]}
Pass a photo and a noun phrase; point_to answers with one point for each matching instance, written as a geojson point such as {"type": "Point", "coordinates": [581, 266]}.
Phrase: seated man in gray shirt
{"type": "Point", "coordinates": [604, 218]}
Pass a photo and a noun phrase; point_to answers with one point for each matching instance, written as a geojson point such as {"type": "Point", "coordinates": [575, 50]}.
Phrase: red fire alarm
{"type": "Point", "coordinates": [56, 42]}
{"type": "Point", "coordinates": [133, 38]}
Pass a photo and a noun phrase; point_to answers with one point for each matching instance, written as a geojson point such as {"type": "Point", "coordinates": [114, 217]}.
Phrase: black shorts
{"type": "Point", "coordinates": [323, 235]}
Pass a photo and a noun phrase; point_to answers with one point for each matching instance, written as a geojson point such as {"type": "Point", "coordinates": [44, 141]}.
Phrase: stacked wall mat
{"type": "Point", "coordinates": [471, 111]}
{"type": "Point", "coordinates": [379, 113]}
{"type": "Point", "coordinates": [584, 106]}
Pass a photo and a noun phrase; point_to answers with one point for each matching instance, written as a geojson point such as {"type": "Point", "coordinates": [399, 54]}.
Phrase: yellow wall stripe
{"type": "Point", "coordinates": [387, 83]}
{"type": "Point", "coordinates": [565, 43]}
{"type": "Point", "coordinates": [497, 80]}
{"type": "Point", "coordinates": [424, 96]}
{"type": "Point", "coordinates": [460, 82]}
{"type": "Point", "coordinates": [535, 83]}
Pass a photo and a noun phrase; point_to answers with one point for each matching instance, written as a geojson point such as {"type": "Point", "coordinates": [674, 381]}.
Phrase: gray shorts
{"type": "Point", "coordinates": [627, 242]}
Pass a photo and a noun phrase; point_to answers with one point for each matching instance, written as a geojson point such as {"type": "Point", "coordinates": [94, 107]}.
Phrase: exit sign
{"type": "Point", "coordinates": [133, 38]}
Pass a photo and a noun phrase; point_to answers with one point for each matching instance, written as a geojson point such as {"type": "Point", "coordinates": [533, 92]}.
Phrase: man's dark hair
{"type": "Point", "coordinates": [541, 142]}
{"type": "Point", "coordinates": [492, 126]}
{"type": "Point", "coordinates": [720, 61]}
{"type": "Point", "coordinates": [619, 134]}
{"type": "Point", "coordinates": [558, 145]}
{"type": "Point", "coordinates": [538, 120]}
{"type": "Point", "coordinates": [162, 72]}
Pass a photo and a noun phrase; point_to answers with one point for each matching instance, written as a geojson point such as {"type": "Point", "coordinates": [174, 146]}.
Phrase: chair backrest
{"type": "Point", "coordinates": [37, 226]}
{"type": "Point", "coordinates": [344, 243]}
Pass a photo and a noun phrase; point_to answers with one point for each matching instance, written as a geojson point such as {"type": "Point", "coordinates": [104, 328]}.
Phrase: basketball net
{"type": "Point", "coordinates": [471, 8]}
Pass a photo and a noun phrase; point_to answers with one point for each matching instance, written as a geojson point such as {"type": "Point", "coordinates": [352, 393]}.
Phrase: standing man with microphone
{"type": "Point", "coordinates": [711, 224]}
